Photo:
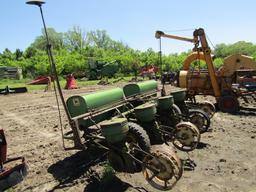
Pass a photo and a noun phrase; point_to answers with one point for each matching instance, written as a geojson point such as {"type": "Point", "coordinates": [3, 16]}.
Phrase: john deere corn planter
{"type": "Point", "coordinates": [109, 121]}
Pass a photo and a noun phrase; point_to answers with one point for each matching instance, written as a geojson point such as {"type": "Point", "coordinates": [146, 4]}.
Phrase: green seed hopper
{"type": "Point", "coordinates": [165, 102]}
{"type": "Point", "coordinates": [86, 104]}
{"type": "Point", "coordinates": [114, 130]}
{"type": "Point", "coordinates": [134, 89]}
{"type": "Point", "coordinates": [145, 112]}
{"type": "Point", "coordinates": [178, 95]}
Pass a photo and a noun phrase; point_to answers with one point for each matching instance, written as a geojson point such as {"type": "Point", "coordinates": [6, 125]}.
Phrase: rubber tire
{"type": "Point", "coordinates": [206, 117]}
{"type": "Point", "coordinates": [140, 135]}
{"type": "Point", "coordinates": [142, 139]}
{"type": "Point", "coordinates": [176, 109]}
{"type": "Point", "coordinates": [235, 104]}
{"type": "Point", "coordinates": [116, 161]}
{"type": "Point", "coordinates": [154, 133]}
{"type": "Point", "coordinates": [176, 115]}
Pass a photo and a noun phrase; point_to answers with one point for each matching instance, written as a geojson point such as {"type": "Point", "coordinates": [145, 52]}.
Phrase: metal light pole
{"type": "Point", "coordinates": [163, 92]}
{"type": "Point", "coordinates": [39, 3]}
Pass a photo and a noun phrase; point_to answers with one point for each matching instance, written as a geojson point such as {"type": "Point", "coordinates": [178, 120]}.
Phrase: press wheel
{"type": "Point", "coordinates": [168, 165]}
{"type": "Point", "coordinates": [208, 108]}
{"type": "Point", "coordinates": [200, 119]}
{"type": "Point", "coordinates": [187, 136]}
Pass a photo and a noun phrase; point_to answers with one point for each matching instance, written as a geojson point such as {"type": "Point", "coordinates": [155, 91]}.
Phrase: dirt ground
{"type": "Point", "coordinates": [226, 158]}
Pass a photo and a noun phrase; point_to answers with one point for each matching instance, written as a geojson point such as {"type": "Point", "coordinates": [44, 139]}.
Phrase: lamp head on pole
{"type": "Point", "coordinates": [35, 2]}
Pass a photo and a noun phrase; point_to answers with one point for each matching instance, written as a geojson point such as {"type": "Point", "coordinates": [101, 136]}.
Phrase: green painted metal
{"type": "Point", "coordinates": [165, 102]}
{"type": "Point", "coordinates": [78, 105]}
{"type": "Point", "coordinates": [178, 96]}
{"type": "Point", "coordinates": [139, 88]}
{"type": "Point", "coordinates": [145, 112]}
{"type": "Point", "coordinates": [114, 130]}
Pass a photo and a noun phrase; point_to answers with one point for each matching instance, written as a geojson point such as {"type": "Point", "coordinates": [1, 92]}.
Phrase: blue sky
{"type": "Point", "coordinates": [132, 21]}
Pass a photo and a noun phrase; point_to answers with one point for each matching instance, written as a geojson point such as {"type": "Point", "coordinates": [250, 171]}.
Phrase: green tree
{"type": "Point", "coordinates": [18, 54]}
{"type": "Point", "coordinates": [55, 38]}
{"type": "Point", "coordinates": [242, 47]}
{"type": "Point", "coordinates": [30, 52]}
{"type": "Point", "coordinates": [75, 39]}
{"type": "Point", "coordinates": [99, 38]}
{"type": "Point", "coordinates": [7, 58]}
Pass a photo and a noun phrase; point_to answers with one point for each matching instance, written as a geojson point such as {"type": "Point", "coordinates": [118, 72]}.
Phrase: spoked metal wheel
{"type": "Point", "coordinates": [187, 136]}
{"type": "Point", "coordinates": [169, 167]}
{"type": "Point", "coordinates": [208, 108]}
{"type": "Point", "coordinates": [200, 119]}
